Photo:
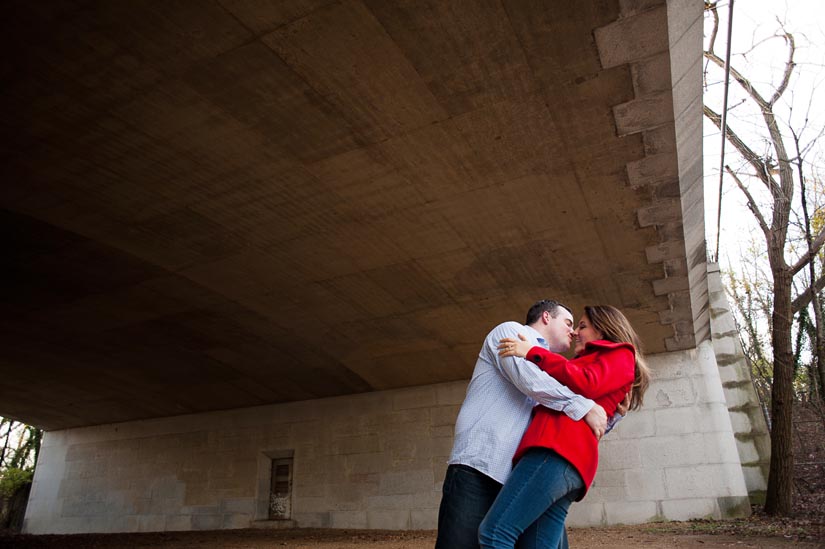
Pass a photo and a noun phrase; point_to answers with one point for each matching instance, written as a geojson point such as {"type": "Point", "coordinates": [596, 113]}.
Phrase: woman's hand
{"type": "Point", "coordinates": [624, 405]}
{"type": "Point", "coordinates": [513, 347]}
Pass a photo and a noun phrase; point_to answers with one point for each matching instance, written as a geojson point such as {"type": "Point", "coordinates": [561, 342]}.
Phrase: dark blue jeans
{"type": "Point", "coordinates": [531, 507]}
{"type": "Point", "coordinates": [467, 495]}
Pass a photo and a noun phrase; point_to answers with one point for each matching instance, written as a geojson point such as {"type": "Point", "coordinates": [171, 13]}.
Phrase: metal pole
{"type": "Point", "coordinates": [724, 129]}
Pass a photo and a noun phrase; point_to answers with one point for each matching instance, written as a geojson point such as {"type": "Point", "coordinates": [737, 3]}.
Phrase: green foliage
{"type": "Point", "coordinates": [12, 478]}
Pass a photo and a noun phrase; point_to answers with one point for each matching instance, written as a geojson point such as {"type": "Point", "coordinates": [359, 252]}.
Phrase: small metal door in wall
{"type": "Point", "coordinates": [280, 491]}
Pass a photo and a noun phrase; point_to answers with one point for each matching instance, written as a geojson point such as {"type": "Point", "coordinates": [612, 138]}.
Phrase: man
{"type": "Point", "coordinates": [494, 415]}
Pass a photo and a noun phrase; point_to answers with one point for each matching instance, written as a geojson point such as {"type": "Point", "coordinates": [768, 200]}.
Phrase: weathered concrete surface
{"type": "Point", "coordinates": [375, 460]}
{"type": "Point", "coordinates": [747, 417]}
{"type": "Point", "coordinates": [676, 458]}
{"type": "Point", "coordinates": [214, 205]}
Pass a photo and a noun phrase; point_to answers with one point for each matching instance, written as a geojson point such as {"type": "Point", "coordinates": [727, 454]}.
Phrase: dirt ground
{"type": "Point", "coordinates": [756, 532]}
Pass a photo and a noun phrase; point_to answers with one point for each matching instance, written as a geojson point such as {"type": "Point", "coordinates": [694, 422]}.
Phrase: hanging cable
{"type": "Point", "coordinates": [724, 129]}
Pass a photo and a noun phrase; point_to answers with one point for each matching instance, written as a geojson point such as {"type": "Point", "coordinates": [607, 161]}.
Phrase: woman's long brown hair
{"type": "Point", "coordinates": [615, 327]}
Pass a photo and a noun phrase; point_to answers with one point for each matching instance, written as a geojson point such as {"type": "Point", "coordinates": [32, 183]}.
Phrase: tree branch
{"type": "Point", "coordinates": [746, 83]}
{"type": "Point", "coordinates": [747, 153]}
{"type": "Point", "coordinates": [789, 66]}
{"type": "Point", "coordinates": [711, 7]}
{"type": "Point", "coordinates": [782, 193]}
{"type": "Point", "coordinates": [816, 244]}
{"type": "Point", "coordinates": [741, 80]}
{"type": "Point", "coordinates": [805, 297]}
{"type": "Point", "coordinates": [752, 206]}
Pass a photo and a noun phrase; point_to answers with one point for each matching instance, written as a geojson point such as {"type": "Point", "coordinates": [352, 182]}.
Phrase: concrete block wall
{"type": "Point", "coordinates": [374, 460]}
{"type": "Point", "coordinates": [749, 425]}
{"type": "Point", "coordinates": [676, 458]}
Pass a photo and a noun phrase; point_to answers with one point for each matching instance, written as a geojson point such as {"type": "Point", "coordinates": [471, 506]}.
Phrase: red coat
{"type": "Point", "coordinates": [604, 372]}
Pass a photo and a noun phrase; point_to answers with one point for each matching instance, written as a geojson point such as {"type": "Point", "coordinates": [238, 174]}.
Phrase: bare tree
{"type": "Point", "coordinates": [20, 445]}
{"type": "Point", "coordinates": [9, 425]}
{"type": "Point", "coordinates": [747, 291]}
{"type": "Point", "coordinates": [811, 292]}
{"type": "Point", "coordinates": [770, 174]}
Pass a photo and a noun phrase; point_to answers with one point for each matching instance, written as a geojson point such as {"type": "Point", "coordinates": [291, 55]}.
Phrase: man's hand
{"type": "Point", "coordinates": [596, 419]}
{"type": "Point", "coordinates": [623, 406]}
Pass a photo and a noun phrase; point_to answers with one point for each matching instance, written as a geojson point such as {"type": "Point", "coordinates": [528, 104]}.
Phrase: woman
{"type": "Point", "coordinates": [557, 458]}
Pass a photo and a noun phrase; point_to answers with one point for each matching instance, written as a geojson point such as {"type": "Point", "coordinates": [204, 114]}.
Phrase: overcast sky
{"type": "Point", "coordinates": [754, 22]}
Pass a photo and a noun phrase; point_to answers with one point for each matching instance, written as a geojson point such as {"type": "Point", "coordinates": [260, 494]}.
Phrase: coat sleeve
{"type": "Point", "coordinates": [531, 380]}
{"type": "Point", "coordinates": [592, 375]}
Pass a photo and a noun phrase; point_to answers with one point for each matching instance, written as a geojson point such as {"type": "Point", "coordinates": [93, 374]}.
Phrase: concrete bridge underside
{"type": "Point", "coordinates": [218, 205]}
{"type": "Point", "coordinates": [252, 248]}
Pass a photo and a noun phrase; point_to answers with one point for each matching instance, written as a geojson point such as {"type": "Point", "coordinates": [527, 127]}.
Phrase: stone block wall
{"type": "Point", "coordinates": [375, 460]}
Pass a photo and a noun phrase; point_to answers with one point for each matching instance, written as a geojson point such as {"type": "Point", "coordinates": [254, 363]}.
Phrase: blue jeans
{"type": "Point", "coordinates": [467, 495]}
{"type": "Point", "coordinates": [533, 503]}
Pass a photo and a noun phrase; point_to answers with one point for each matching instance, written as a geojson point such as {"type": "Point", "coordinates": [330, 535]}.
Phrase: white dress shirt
{"type": "Point", "coordinates": [499, 402]}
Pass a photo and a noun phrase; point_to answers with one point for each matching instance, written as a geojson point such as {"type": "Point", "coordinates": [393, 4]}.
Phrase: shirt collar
{"type": "Point", "coordinates": [532, 332]}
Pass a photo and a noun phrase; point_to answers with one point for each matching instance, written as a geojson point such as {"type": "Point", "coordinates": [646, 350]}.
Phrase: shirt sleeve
{"type": "Point", "coordinates": [531, 380]}
{"type": "Point", "coordinates": [593, 375]}
{"type": "Point", "coordinates": [612, 421]}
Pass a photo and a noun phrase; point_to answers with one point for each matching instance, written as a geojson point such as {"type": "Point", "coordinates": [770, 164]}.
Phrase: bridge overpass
{"type": "Point", "coordinates": [244, 234]}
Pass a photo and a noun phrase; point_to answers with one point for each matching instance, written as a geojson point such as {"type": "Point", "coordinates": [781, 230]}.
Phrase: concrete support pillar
{"type": "Point", "coordinates": [749, 426]}
{"type": "Point", "coordinates": [676, 458]}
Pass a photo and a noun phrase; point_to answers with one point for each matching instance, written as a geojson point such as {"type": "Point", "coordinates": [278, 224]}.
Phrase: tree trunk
{"type": "Point", "coordinates": [819, 366]}
{"type": "Point", "coordinates": [780, 479]}
{"type": "Point", "coordinates": [816, 337]}
{"type": "Point", "coordinates": [816, 365]}
{"type": "Point", "coordinates": [6, 442]}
